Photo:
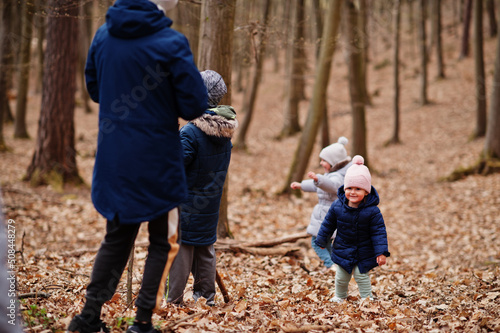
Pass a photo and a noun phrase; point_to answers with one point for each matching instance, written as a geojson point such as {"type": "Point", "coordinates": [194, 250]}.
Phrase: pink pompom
{"type": "Point", "coordinates": [358, 159]}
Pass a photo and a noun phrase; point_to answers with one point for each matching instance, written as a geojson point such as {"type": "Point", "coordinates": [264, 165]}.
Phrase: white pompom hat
{"type": "Point", "coordinates": [335, 153]}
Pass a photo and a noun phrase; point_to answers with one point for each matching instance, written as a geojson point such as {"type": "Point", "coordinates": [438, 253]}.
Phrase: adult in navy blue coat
{"type": "Point", "coordinates": [361, 240]}
{"type": "Point", "coordinates": [207, 153]}
{"type": "Point", "coordinates": [142, 74]}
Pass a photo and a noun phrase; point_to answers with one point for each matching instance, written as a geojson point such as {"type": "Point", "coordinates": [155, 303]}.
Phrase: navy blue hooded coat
{"type": "Point", "coordinates": [142, 74]}
{"type": "Point", "coordinates": [361, 234]}
{"type": "Point", "coordinates": [207, 153]}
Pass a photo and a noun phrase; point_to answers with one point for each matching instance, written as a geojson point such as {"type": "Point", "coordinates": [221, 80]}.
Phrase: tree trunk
{"type": "Point", "coordinates": [318, 102]}
{"type": "Point", "coordinates": [242, 52]}
{"type": "Point", "coordinates": [438, 37]}
{"type": "Point", "coordinates": [423, 54]}
{"type": "Point", "coordinates": [6, 56]}
{"type": "Point", "coordinates": [252, 89]}
{"type": "Point", "coordinates": [362, 35]}
{"type": "Point", "coordinates": [479, 71]}
{"type": "Point", "coordinates": [464, 50]}
{"type": "Point", "coordinates": [85, 39]}
{"type": "Point", "coordinates": [492, 141]}
{"type": "Point", "coordinates": [355, 66]}
{"type": "Point", "coordinates": [187, 21]}
{"type": "Point", "coordinates": [318, 15]}
{"type": "Point", "coordinates": [397, 23]}
{"type": "Point", "coordinates": [27, 11]}
{"type": "Point", "coordinates": [54, 159]}
{"type": "Point", "coordinates": [295, 83]}
{"type": "Point", "coordinates": [215, 53]}
{"type": "Point", "coordinates": [40, 29]}
{"type": "Point", "coordinates": [490, 7]}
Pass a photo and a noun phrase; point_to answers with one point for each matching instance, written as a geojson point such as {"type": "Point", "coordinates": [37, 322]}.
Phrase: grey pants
{"type": "Point", "coordinates": [199, 260]}
{"type": "Point", "coordinates": [342, 279]}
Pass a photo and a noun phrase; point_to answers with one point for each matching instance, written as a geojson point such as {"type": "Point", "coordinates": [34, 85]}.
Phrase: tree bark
{"type": "Point", "coordinates": [318, 102]}
{"type": "Point", "coordinates": [54, 159]}
{"type": "Point", "coordinates": [492, 141]}
{"type": "Point", "coordinates": [439, 39]}
{"type": "Point", "coordinates": [241, 52]}
{"type": "Point", "coordinates": [85, 39]}
{"type": "Point", "coordinates": [215, 53]}
{"type": "Point", "coordinates": [397, 23]}
{"type": "Point", "coordinates": [479, 71]}
{"type": "Point", "coordinates": [355, 66]}
{"type": "Point", "coordinates": [423, 54]}
{"type": "Point", "coordinates": [187, 21]}
{"type": "Point", "coordinates": [490, 7]}
{"type": "Point", "coordinates": [252, 90]}
{"type": "Point", "coordinates": [464, 50]}
{"type": "Point", "coordinates": [6, 60]}
{"type": "Point", "coordinates": [295, 82]}
{"type": "Point", "coordinates": [325, 127]}
{"type": "Point", "coordinates": [20, 130]}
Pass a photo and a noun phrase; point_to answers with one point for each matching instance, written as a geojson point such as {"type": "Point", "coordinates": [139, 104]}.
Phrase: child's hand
{"type": "Point", "coordinates": [296, 186]}
{"type": "Point", "coordinates": [381, 260]}
{"type": "Point", "coordinates": [312, 175]}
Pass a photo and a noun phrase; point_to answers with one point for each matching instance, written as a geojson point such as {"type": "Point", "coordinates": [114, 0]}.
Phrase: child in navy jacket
{"type": "Point", "coordinates": [361, 241]}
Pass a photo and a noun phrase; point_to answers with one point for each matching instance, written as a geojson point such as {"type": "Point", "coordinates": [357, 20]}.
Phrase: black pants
{"type": "Point", "coordinates": [114, 252]}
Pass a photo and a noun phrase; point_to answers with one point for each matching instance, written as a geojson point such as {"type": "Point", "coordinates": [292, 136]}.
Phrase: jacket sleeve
{"type": "Point", "coordinates": [190, 91]}
{"type": "Point", "coordinates": [379, 234]}
{"type": "Point", "coordinates": [328, 227]}
{"type": "Point", "coordinates": [189, 144]}
{"type": "Point", "coordinates": [308, 185]}
{"type": "Point", "coordinates": [329, 183]}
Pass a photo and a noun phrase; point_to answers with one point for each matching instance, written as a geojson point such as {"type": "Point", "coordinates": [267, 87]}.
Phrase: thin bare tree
{"type": "Point", "coordinates": [295, 81]}
{"type": "Point", "coordinates": [480, 79]}
{"type": "Point", "coordinates": [423, 53]}
{"type": "Point", "coordinates": [318, 101]}
{"type": "Point", "coordinates": [355, 66]}
{"type": "Point", "coordinates": [467, 14]}
{"type": "Point", "coordinates": [396, 101]}
{"type": "Point", "coordinates": [490, 7]}
{"type": "Point", "coordinates": [5, 64]}
{"type": "Point", "coordinates": [23, 73]}
{"type": "Point", "coordinates": [252, 89]}
{"type": "Point", "coordinates": [437, 19]}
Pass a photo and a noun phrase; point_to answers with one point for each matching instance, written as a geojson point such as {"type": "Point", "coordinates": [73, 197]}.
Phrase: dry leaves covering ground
{"type": "Point", "coordinates": [444, 271]}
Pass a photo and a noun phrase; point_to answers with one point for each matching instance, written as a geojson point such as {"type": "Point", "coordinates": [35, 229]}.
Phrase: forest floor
{"type": "Point", "coordinates": [444, 270]}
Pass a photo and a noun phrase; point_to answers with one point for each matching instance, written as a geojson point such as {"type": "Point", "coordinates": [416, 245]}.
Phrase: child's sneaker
{"type": "Point", "coordinates": [79, 325]}
{"type": "Point", "coordinates": [337, 300]}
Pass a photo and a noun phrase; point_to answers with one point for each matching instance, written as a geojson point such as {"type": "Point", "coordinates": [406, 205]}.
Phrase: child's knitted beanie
{"type": "Point", "coordinates": [216, 87]}
{"type": "Point", "coordinates": [335, 153]}
{"type": "Point", "coordinates": [358, 175]}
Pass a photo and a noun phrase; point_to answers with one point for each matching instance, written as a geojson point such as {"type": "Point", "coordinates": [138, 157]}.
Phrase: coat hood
{"type": "Point", "coordinates": [218, 128]}
{"type": "Point", "coordinates": [135, 18]}
{"type": "Point", "coordinates": [372, 199]}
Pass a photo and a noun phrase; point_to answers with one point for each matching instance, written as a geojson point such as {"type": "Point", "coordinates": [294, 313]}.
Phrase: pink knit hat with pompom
{"type": "Point", "coordinates": [358, 175]}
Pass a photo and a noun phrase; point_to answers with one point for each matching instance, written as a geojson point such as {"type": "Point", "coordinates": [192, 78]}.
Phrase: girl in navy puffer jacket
{"type": "Point", "coordinates": [361, 241]}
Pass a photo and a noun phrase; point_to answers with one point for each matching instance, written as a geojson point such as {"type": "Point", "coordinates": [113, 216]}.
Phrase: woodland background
{"type": "Point", "coordinates": [443, 273]}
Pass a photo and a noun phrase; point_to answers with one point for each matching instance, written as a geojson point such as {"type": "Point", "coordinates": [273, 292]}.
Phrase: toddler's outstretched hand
{"type": "Point", "coordinates": [312, 175]}
{"type": "Point", "coordinates": [296, 185]}
{"type": "Point", "coordinates": [381, 260]}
